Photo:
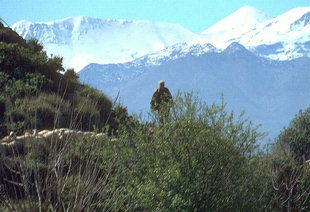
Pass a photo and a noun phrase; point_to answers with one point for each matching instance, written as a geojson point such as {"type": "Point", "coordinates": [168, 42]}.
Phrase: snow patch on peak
{"type": "Point", "coordinates": [242, 20]}
{"type": "Point", "coordinates": [289, 28]}
{"type": "Point", "coordinates": [235, 26]}
{"type": "Point", "coordinates": [302, 22]}
{"type": "Point", "coordinates": [295, 12]}
{"type": "Point", "coordinates": [252, 12]}
{"type": "Point", "coordinates": [22, 23]}
{"type": "Point", "coordinates": [279, 38]}
{"type": "Point", "coordinates": [174, 52]}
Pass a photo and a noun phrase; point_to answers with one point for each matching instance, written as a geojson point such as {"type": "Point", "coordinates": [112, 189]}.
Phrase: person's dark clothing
{"type": "Point", "coordinates": [161, 99]}
{"type": "Point", "coordinates": [161, 102]}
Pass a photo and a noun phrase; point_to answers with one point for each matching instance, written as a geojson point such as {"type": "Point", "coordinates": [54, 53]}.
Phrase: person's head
{"type": "Point", "coordinates": [161, 83]}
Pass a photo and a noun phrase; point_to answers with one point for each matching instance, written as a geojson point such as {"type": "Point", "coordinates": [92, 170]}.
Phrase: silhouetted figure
{"type": "Point", "coordinates": [162, 102]}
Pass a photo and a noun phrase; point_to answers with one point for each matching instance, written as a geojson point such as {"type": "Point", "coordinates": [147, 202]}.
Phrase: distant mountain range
{"type": "Point", "coordinates": [82, 40]}
{"type": "Point", "coordinates": [269, 91]}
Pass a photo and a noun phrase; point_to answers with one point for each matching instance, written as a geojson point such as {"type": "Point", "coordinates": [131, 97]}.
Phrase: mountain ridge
{"type": "Point", "coordinates": [83, 40]}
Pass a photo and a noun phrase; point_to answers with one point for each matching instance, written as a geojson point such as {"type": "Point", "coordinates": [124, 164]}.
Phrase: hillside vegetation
{"type": "Point", "coordinates": [37, 92]}
{"type": "Point", "coordinates": [201, 158]}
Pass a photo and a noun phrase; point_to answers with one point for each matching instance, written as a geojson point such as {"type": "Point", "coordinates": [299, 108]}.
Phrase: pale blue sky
{"type": "Point", "coordinates": [196, 15]}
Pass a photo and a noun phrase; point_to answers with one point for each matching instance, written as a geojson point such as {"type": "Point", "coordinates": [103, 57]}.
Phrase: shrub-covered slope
{"type": "Point", "coordinates": [37, 92]}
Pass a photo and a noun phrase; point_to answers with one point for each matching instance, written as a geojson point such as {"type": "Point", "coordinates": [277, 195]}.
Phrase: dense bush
{"type": "Point", "coordinates": [49, 179]}
{"type": "Point", "coordinates": [120, 121]}
{"type": "Point", "coordinates": [103, 103]}
{"type": "Point", "coordinates": [202, 159]}
{"type": "Point", "coordinates": [297, 135]}
{"type": "Point", "coordinates": [290, 175]}
{"type": "Point", "coordinates": [46, 111]}
{"type": "Point", "coordinates": [3, 128]}
{"type": "Point", "coordinates": [87, 113]}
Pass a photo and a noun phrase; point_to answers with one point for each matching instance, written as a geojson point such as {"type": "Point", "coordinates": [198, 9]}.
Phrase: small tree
{"type": "Point", "coordinates": [71, 75]}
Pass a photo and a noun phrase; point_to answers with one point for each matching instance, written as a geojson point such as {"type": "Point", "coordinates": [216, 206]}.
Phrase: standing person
{"type": "Point", "coordinates": [161, 101]}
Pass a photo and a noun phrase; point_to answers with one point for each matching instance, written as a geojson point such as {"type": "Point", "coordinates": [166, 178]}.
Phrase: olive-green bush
{"type": "Point", "coordinates": [201, 159]}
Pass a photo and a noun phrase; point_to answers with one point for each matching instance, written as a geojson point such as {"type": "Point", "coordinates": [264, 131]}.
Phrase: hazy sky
{"type": "Point", "coordinates": [196, 15]}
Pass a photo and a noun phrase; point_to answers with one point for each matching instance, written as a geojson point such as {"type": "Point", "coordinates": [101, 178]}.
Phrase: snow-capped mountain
{"type": "Point", "coordinates": [234, 26]}
{"type": "Point", "coordinates": [270, 92]}
{"type": "Point", "coordinates": [284, 37]}
{"type": "Point", "coordinates": [82, 40]}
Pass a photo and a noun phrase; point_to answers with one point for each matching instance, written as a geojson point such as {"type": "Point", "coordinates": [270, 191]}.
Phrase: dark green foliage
{"type": "Point", "coordinates": [45, 111]}
{"type": "Point", "coordinates": [71, 75]}
{"type": "Point", "coordinates": [87, 113]}
{"type": "Point", "coordinates": [31, 85]}
{"type": "Point", "coordinates": [16, 120]}
{"type": "Point", "coordinates": [290, 175]}
{"type": "Point", "coordinates": [16, 116]}
{"type": "Point", "coordinates": [297, 135]}
{"type": "Point", "coordinates": [3, 80]}
{"type": "Point", "coordinates": [2, 109]}
{"type": "Point", "coordinates": [16, 60]}
{"type": "Point", "coordinates": [7, 35]}
{"type": "Point", "coordinates": [103, 103]}
{"type": "Point", "coordinates": [198, 161]}
{"type": "Point", "coordinates": [18, 63]}
{"type": "Point", "coordinates": [120, 120]}
{"type": "Point", "coordinates": [290, 183]}
{"type": "Point", "coordinates": [34, 45]}
{"type": "Point", "coordinates": [46, 179]}
{"type": "Point", "coordinates": [201, 159]}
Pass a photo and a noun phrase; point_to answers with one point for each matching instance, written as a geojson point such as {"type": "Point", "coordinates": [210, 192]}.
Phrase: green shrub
{"type": "Point", "coordinates": [17, 116]}
{"type": "Point", "coordinates": [16, 120]}
{"type": "Point", "coordinates": [31, 85]}
{"type": "Point", "coordinates": [86, 113]}
{"type": "Point", "coordinates": [103, 103]}
{"type": "Point", "coordinates": [45, 111]}
{"type": "Point", "coordinates": [201, 159]}
{"type": "Point", "coordinates": [290, 175]}
{"type": "Point", "coordinates": [120, 120]}
{"type": "Point", "coordinates": [3, 80]}
{"type": "Point", "coordinates": [297, 135]}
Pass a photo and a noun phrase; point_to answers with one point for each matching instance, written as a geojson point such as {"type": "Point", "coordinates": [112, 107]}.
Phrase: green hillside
{"type": "Point", "coordinates": [36, 91]}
